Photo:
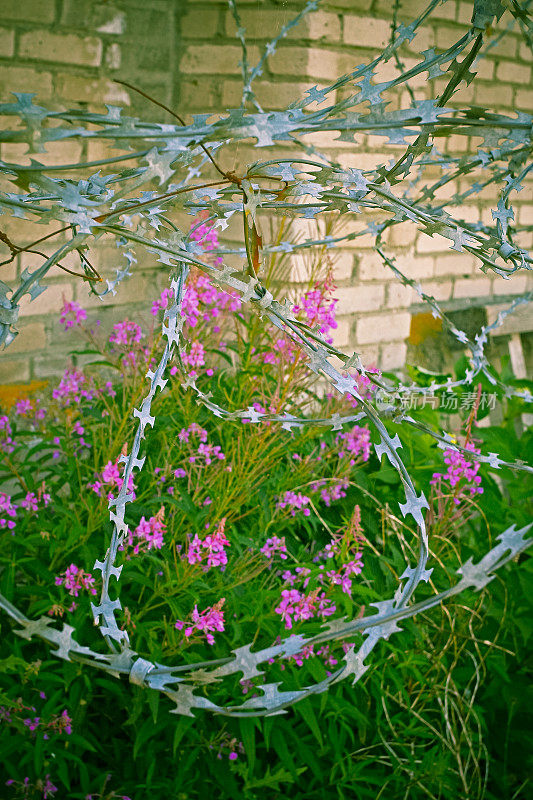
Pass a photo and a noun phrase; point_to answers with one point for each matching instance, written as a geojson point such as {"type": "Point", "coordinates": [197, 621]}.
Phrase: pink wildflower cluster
{"type": "Point", "coordinates": [126, 334]}
{"type": "Point", "coordinates": [318, 307]}
{"type": "Point", "coordinates": [275, 545]}
{"type": "Point", "coordinates": [8, 512]}
{"type": "Point", "coordinates": [6, 442]}
{"type": "Point", "coordinates": [461, 474]}
{"type": "Point", "coordinates": [62, 723]}
{"type": "Point", "coordinates": [196, 355]}
{"type": "Point", "coordinates": [32, 501]}
{"type": "Point", "coordinates": [27, 408]}
{"type": "Point", "coordinates": [72, 314]}
{"type": "Point", "coordinates": [111, 479]}
{"type": "Point", "coordinates": [149, 533]}
{"type": "Point", "coordinates": [301, 607]}
{"type": "Point", "coordinates": [294, 501]}
{"type": "Point", "coordinates": [283, 351]}
{"type": "Point", "coordinates": [363, 385]}
{"type": "Point", "coordinates": [229, 745]}
{"type": "Point", "coordinates": [309, 652]}
{"type": "Point", "coordinates": [74, 578]}
{"type": "Point", "coordinates": [332, 491]}
{"type": "Point", "coordinates": [261, 410]}
{"type": "Point", "coordinates": [201, 301]}
{"type": "Point", "coordinates": [342, 575]}
{"type": "Point", "coordinates": [204, 454]}
{"type": "Point", "coordinates": [354, 444]}
{"type": "Point", "coordinates": [73, 387]}
{"type": "Point", "coordinates": [207, 237]}
{"type": "Point", "coordinates": [27, 789]}
{"type": "Point", "coordinates": [212, 619]}
{"type": "Point", "coordinates": [211, 550]}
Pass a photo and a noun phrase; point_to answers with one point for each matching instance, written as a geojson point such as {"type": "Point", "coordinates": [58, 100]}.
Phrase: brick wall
{"type": "Point", "coordinates": [184, 52]}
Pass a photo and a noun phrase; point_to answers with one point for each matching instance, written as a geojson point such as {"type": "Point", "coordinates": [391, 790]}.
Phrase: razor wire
{"type": "Point", "coordinates": [101, 204]}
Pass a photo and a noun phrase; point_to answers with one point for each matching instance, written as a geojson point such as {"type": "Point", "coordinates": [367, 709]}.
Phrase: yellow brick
{"type": "Point", "coordinates": [415, 266]}
{"type": "Point", "coordinates": [430, 244]}
{"type": "Point", "coordinates": [518, 284]}
{"type": "Point", "coordinates": [382, 327]}
{"type": "Point", "coordinates": [49, 302]}
{"type": "Point", "coordinates": [13, 370]}
{"type": "Point", "coordinates": [270, 95]}
{"type": "Point", "coordinates": [469, 213]}
{"type": "Point", "coordinates": [66, 152]}
{"type": "Point", "coordinates": [440, 290]}
{"type": "Point", "coordinates": [362, 161]}
{"type": "Point", "coordinates": [215, 59]}
{"type": "Point", "coordinates": [524, 52]}
{"type": "Point", "coordinates": [447, 36]}
{"type": "Point", "coordinates": [484, 69]}
{"type": "Point", "coordinates": [464, 13]}
{"type": "Point", "coordinates": [351, 5]}
{"type": "Point", "coordinates": [341, 334]}
{"type": "Point", "coordinates": [344, 265]}
{"type": "Point", "coordinates": [478, 287]}
{"type": "Point", "coordinates": [494, 96]}
{"type": "Point", "coordinates": [370, 267]}
{"type": "Point", "coordinates": [454, 263]}
{"type": "Point", "coordinates": [507, 46]}
{"type": "Point", "coordinates": [198, 23]}
{"type": "Point", "coordinates": [392, 355]}
{"type": "Point", "coordinates": [199, 94]}
{"type": "Point", "coordinates": [8, 271]}
{"type": "Point", "coordinates": [28, 10]}
{"type": "Point", "coordinates": [524, 99]}
{"type": "Point", "coordinates": [64, 47]}
{"type": "Point", "coordinates": [400, 296]}
{"type": "Point", "coordinates": [369, 355]}
{"type": "Point", "coordinates": [133, 290]}
{"type": "Point", "coordinates": [366, 31]}
{"type": "Point", "coordinates": [410, 9]}
{"type": "Point", "coordinates": [513, 73]}
{"type": "Point", "coordinates": [96, 91]}
{"type": "Point", "coordinates": [7, 42]}
{"type": "Point", "coordinates": [52, 366]}
{"type": "Point", "coordinates": [31, 337]}
{"type": "Point", "coordinates": [368, 297]}
{"type": "Point", "coordinates": [25, 79]}
{"type": "Point", "coordinates": [312, 62]}
{"type": "Point", "coordinates": [265, 24]}
{"type": "Point", "coordinates": [402, 235]}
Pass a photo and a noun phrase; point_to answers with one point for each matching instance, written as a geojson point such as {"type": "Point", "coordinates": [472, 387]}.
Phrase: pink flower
{"type": "Point", "coordinates": [8, 512]}
{"type": "Point", "coordinates": [149, 533]}
{"type": "Point", "coordinates": [295, 502]}
{"type": "Point", "coordinates": [211, 619]}
{"type": "Point", "coordinates": [30, 502]}
{"type": "Point", "coordinates": [6, 442]}
{"type": "Point", "coordinates": [275, 545]}
{"type": "Point", "coordinates": [73, 387]}
{"type": "Point", "coordinates": [460, 473]}
{"type": "Point", "coordinates": [354, 444]}
{"type": "Point", "coordinates": [211, 549]}
{"type": "Point", "coordinates": [196, 355]}
{"type": "Point", "coordinates": [126, 334]}
{"type": "Point", "coordinates": [23, 407]}
{"type": "Point", "coordinates": [72, 314]}
{"type": "Point", "coordinates": [111, 478]}
{"type": "Point", "coordinates": [74, 578]}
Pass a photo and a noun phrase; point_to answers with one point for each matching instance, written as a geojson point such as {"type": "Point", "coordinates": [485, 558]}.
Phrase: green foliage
{"type": "Point", "coordinates": [442, 703]}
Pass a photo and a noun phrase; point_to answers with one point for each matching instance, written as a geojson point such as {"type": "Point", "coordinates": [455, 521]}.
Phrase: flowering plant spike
{"type": "Point", "coordinates": [119, 204]}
